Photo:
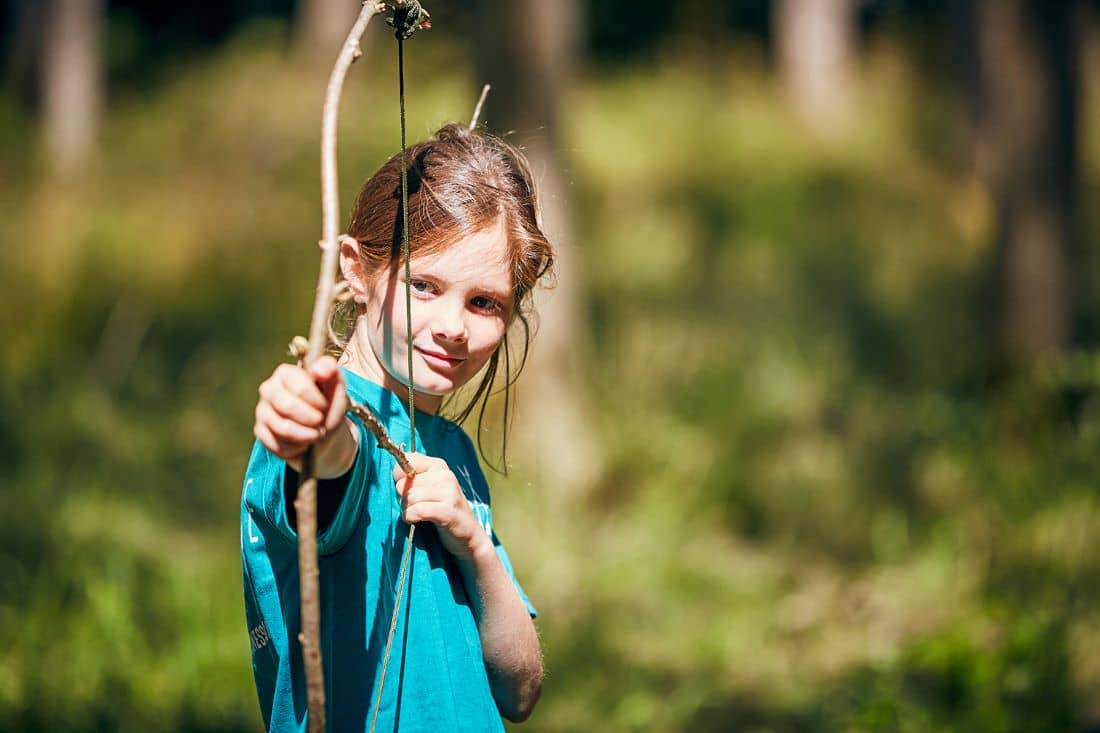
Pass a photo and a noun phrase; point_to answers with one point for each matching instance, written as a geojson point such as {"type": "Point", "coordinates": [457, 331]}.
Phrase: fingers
{"type": "Point", "coordinates": [294, 394]}
{"type": "Point", "coordinates": [440, 513]}
{"type": "Point", "coordinates": [432, 480]}
{"type": "Point", "coordinates": [421, 464]}
{"type": "Point", "coordinates": [290, 406]}
{"type": "Point", "coordinates": [278, 447]}
{"type": "Point", "coordinates": [284, 429]}
{"type": "Point", "coordinates": [434, 495]}
{"type": "Point", "coordinates": [297, 407]}
{"type": "Point", "coordinates": [433, 483]}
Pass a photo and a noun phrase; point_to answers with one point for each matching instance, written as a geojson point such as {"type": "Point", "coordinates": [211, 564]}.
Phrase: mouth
{"type": "Point", "coordinates": [439, 359]}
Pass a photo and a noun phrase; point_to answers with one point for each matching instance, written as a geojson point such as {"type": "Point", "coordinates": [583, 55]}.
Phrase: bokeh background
{"type": "Point", "coordinates": [812, 434]}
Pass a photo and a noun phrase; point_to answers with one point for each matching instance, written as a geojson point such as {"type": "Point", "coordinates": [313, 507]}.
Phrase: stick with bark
{"type": "Point", "coordinates": [328, 293]}
{"type": "Point", "coordinates": [305, 504]}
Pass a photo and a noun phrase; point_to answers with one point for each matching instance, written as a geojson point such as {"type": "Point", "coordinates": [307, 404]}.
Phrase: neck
{"type": "Point", "coordinates": [360, 358]}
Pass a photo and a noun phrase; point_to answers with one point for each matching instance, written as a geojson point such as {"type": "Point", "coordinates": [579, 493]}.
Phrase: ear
{"type": "Point", "coordinates": [351, 267]}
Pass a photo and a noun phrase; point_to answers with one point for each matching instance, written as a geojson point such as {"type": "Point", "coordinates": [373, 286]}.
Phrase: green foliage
{"type": "Point", "coordinates": [955, 682]}
{"type": "Point", "coordinates": [821, 511]}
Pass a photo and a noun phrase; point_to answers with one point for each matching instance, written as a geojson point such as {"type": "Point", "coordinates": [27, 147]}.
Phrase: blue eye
{"type": "Point", "coordinates": [420, 286]}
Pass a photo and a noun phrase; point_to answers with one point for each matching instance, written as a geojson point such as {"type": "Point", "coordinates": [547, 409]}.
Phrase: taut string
{"type": "Point", "coordinates": [407, 18]}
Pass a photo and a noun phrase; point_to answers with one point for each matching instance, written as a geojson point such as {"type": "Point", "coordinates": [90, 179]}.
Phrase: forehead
{"type": "Point", "coordinates": [480, 258]}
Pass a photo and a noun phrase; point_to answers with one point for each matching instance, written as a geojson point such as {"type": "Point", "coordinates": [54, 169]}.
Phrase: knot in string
{"type": "Point", "coordinates": [408, 17]}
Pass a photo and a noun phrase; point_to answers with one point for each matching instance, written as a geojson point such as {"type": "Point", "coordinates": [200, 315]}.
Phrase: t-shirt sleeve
{"type": "Point", "coordinates": [507, 563]}
{"type": "Point", "coordinates": [476, 489]}
{"type": "Point", "coordinates": [266, 493]}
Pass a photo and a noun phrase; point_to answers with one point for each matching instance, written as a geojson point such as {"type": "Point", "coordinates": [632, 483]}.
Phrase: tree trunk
{"type": "Point", "coordinates": [72, 82]}
{"type": "Point", "coordinates": [1027, 152]}
{"type": "Point", "coordinates": [814, 41]}
{"type": "Point", "coordinates": [527, 49]}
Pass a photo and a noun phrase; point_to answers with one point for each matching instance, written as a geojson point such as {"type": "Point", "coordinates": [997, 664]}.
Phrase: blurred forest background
{"type": "Point", "coordinates": [812, 435]}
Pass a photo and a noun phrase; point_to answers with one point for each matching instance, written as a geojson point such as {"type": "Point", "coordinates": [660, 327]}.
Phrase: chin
{"type": "Point", "coordinates": [435, 386]}
{"type": "Point", "coordinates": [427, 381]}
{"type": "Point", "coordinates": [430, 384]}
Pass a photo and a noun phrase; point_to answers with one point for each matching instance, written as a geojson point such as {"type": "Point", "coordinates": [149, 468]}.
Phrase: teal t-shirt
{"type": "Point", "coordinates": [436, 678]}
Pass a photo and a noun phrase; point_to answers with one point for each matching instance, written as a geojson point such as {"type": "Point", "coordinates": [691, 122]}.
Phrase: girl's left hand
{"type": "Point", "coordinates": [433, 495]}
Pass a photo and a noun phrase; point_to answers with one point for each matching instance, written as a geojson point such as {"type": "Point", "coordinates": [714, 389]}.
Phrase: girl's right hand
{"type": "Point", "coordinates": [299, 407]}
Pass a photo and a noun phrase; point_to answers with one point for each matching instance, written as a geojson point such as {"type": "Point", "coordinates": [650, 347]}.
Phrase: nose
{"type": "Point", "coordinates": [449, 324]}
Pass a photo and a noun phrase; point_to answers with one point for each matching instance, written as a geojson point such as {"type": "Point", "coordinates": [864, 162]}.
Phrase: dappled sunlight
{"type": "Point", "coordinates": [822, 507]}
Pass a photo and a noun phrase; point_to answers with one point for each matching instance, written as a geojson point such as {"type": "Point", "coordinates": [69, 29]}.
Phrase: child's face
{"type": "Point", "coordinates": [461, 306]}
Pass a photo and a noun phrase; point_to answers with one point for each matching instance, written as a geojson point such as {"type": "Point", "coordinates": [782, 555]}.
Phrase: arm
{"type": "Point", "coordinates": [509, 642]}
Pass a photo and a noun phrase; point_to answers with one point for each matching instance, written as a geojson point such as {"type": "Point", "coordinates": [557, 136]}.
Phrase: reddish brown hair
{"type": "Point", "coordinates": [460, 182]}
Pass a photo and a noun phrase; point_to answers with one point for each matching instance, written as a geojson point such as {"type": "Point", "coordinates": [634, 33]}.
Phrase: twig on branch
{"type": "Point", "coordinates": [477, 110]}
{"type": "Point", "coordinates": [380, 435]}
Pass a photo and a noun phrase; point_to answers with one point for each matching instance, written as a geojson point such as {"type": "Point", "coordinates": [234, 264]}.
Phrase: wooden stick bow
{"type": "Point", "coordinates": [305, 504]}
{"type": "Point", "coordinates": [409, 17]}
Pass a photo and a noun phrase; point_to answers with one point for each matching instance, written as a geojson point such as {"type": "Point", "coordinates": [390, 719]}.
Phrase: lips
{"type": "Point", "coordinates": [439, 359]}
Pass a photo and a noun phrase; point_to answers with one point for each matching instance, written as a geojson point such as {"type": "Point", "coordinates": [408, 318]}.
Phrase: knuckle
{"type": "Point", "coordinates": [284, 426]}
{"type": "Point", "coordinates": [278, 400]}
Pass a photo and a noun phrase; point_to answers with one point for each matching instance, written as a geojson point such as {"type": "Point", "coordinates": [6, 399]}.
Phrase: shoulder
{"type": "Point", "coordinates": [463, 461]}
{"type": "Point", "coordinates": [454, 434]}
{"type": "Point", "coordinates": [451, 443]}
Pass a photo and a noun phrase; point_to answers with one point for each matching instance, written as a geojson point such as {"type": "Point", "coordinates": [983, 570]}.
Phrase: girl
{"type": "Point", "coordinates": [465, 650]}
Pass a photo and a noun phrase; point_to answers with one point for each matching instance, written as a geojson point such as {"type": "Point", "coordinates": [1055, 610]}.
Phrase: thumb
{"type": "Point", "coordinates": [323, 370]}
{"type": "Point", "coordinates": [330, 381]}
